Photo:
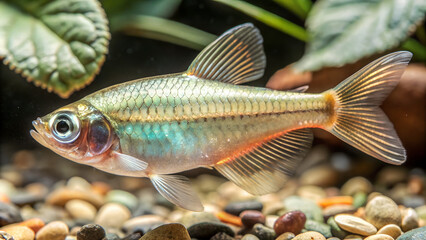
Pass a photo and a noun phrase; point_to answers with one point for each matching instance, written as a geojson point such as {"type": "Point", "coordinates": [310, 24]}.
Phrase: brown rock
{"type": "Point", "coordinates": [62, 195]}
{"type": "Point", "coordinates": [250, 217]}
{"type": "Point", "coordinates": [379, 237]}
{"type": "Point", "coordinates": [381, 211]}
{"type": "Point", "coordinates": [391, 230]}
{"type": "Point", "coordinates": [19, 232]}
{"type": "Point", "coordinates": [293, 221]}
{"type": "Point", "coordinates": [173, 231]}
{"type": "Point", "coordinates": [355, 225]}
{"type": "Point", "coordinates": [112, 215]}
{"type": "Point", "coordinates": [311, 235]}
{"type": "Point", "coordinates": [356, 184]}
{"type": "Point", "coordinates": [410, 220]}
{"type": "Point", "coordinates": [56, 230]}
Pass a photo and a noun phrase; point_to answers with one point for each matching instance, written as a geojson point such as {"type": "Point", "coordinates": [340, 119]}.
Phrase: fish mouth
{"type": "Point", "coordinates": [39, 134]}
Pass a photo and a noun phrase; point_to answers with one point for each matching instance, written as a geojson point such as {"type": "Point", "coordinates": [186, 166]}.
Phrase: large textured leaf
{"type": "Point", "coordinates": [343, 31]}
{"type": "Point", "coordinates": [58, 44]}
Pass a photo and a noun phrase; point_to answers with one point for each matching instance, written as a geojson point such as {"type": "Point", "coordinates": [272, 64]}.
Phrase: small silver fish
{"type": "Point", "coordinates": [256, 137]}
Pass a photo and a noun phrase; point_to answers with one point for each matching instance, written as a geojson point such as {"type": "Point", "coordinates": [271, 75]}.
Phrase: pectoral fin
{"type": "Point", "coordinates": [177, 189]}
{"type": "Point", "coordinates": [128, 163]}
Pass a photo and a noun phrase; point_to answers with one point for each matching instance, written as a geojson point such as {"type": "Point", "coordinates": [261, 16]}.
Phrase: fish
{"type": "Point", "coordinates": [159, 126]}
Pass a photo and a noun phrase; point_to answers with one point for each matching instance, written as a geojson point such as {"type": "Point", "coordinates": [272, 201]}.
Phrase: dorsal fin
{"type": "Point", "coordinates": [265, 168]}
{"type": "Point", "coordinates": [235, 57]}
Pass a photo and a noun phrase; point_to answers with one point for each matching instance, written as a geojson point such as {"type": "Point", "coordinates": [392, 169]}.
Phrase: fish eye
{"type": "Point", "coordinates": [65, 127]}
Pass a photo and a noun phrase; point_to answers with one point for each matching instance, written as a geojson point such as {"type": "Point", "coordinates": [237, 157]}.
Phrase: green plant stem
{"type": "Point", "coordinates": [418, 50]}
{"type": "Point", "coordinates": [268, 18]}
{"type": "Point", "coordinates": [162, 29]}
{"type": "Point", "coordinates": [299, 7]}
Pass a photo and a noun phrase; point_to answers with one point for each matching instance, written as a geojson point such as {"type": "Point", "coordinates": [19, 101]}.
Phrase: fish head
{"type": "Point", "coordinates": [78, 132]}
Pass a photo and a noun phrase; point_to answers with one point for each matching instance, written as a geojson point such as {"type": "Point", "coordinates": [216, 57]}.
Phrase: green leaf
{"type": "Point", "coordinates": [164, 30]}
{"type": "Point", "coordinates": [268, 18]}
{"type": "Point", "coordinates": [59, 45]}
{"type": "Point", "coordinates": [156, 8]}
{"type": "Point", "coordinates": [344, 31]}
{"type": "Point", "coordinates": [299, 7]}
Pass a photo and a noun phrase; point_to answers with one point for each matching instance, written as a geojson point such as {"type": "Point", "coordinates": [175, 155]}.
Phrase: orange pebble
{"type": "Point", "coordinates": [229, 218]}
{"type": "Point", "coordinates": [34, 224]}
{"type": "Point", "coordinates": [100, 188]}
{"type": "Point", "coordinates": [4, 198]}
{"type": "Point", "coordinates": [345, 200]}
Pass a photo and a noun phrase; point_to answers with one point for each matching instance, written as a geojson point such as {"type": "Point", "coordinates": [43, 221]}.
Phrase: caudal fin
{"type": "Point", "coordinates": [359, 120]}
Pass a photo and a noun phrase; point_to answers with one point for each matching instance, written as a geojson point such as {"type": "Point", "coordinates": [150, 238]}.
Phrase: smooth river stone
{"type": "Point", "coordinates": [56, 230]}
{"type": "Point", "coordinates": [391, 230]}
{"type": "Point", "coordinates": [355, 225]}
{"type": "Point", "coordinates": [309, 236]}
{"type": "Point", "coordinates": [381, 211]}
{"type": "Point", "coordinates": [18, 232]}
{"type": "Point", "coordinates": [379, 237]}
{"type": "Point", "coordinates": [112, 215]}
{"type": "Point", "coordinates": [80, 209]}
{"type": "Point", "coordinates": [410, 220]}
{"type": "Point", "coordinates": [173, 231]}
{"type": "Point", "coordinates": [415, 234]}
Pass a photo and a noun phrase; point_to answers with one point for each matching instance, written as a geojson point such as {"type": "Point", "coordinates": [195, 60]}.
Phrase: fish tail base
{"type": "Point", "coordinates": [356, 116]}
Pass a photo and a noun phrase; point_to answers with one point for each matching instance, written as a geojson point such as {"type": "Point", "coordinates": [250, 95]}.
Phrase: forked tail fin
{"type": "Point", "coordinates": [358, 119]}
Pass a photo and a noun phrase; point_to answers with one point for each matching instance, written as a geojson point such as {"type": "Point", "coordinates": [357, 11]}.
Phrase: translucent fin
{"type": "Point", "coordinates": [177, 189]}
{"type": "Point", "coordinates": [300, 89]}
{"type": "Point", "coordinates": [128, 163]}
{"type": "Point", "coordinates": [359, 121]}
{"type": "Point", "coordinates": [235, 57]}
{"type": "Point", "coordinates": [266, 167]}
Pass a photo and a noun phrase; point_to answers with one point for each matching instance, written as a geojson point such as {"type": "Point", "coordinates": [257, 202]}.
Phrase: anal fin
{"type": "Point", "coordinates": [265, 168]}
{"type": "Point", "coordinates": [177, 189]}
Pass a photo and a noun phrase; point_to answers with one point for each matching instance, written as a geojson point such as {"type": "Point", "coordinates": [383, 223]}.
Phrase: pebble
{"type": "Point", "coordinates": [20, 232]}
{"type": "Point", "coordinates": [335, 229]}
{"type": "Point", "coordinates": [337, 209]}
{"type": "Point", "coordinates": [391, 230]}
{"type": "Point", "coordinates": [173, 231]}
{"type": "Point", "coordinates": [26, 198]}
{"type": "Point", "coordinates": [80, 209]}
{"type": "Point", "coordinates": [133, 236]}
{"type": "Point", "coordinates": [61, 196]}
{"type": "Point", "coordinates": [392, 175]}
{"type": "Point", "coordinates": [221, 236]}
{"type": "Point", "coordinates": [142, 224]}
{"type": "Point", "coordinates": [335, 200]}
{"type": "Point", "coordinates": [112, 215]}
{"type": "Point", "coordinates": [410, 220]}
{"type": "Point", "coordinates": [314, 193]}
{"type": "Point", "coordinates": [91, 232]}
{"type": "Point", "coordinates": [7, 187]}
{"type": "Point", "coordinates": [191, 218]}
{"type": "Point", "coordinates": [235, 208]}
{"type": "Point", "coordinates": [415, 234]}
{"type": "Point", "coordinates": [125, 198]}
{"type": "Point", "coordinates": [323, 176]}
{"type": "Point", "coordinates": [250, 217]}
{"type": "Point", "coordinates": [229, 218]}
{"type": "Point", "coordinates": [292, 221]}
{"type": "Point", "coordinates": [286, 236]}
{"type": "Point", "coordinates": [56, 230]}
{"type": "Point", "coordinates": [360, 199]}
{"type": "Point", "coordinates": [113, 236]}
{"type": "Point", "coordinates": [34, 224]}
{"type": "Point", "coordinates": [355, 225]}
{"type": "Point", "coordinates": [263, 232]}
{"type": "Point", "coordinates": [5, 236]}
{"type": "Point", "coordinates": [381, 211]}
{"type": "Point", "coordinates": [379, 237]}
{"type": "Point", "coordinates": [9, 214]}
{"type": "Point", "coordinates": [309, 236]}
{"type": "Point", "coordinates": [356, 185]}
{"type": "Point", "coordinates": [308, 207]}
{"type": "Point", "coordinates": [208, 229]}
{"type": "Point", "coordinates": [322, 228]}
{"type": "Point", "coordinates": [249, 237]}
{"type": "Point", "coordinates": [353, 237]}
{"type": "Point", "coordinates": [270, 220]}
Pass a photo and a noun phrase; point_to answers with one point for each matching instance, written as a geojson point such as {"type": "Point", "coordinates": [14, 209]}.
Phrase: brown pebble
{"type": "Point", "coordinates": [34, 224]}
{"type": "Point", "coordinates": [381, 211]}
{"type": "Point", "coordinates": [311, 235]}
{"type": "Point", "coordinates": [62, 195]}
{"type": "Point", "coordinates": [353, 237]}
{"type": "Point", "coordinates": [286, 236]}
{"type": "Point", "coordinates": [410, 220]}
{"type": "Point", "coordinates": [250, 217]}
{"type": "Point", "coordinates": [19, 232]}
{"type": "Point", "coordinates": [56, 230]}
{"type": "Point", "coordinates": [391, 230]}
{"type": "Point", "coordinates": [379, 237]}
{"type": "Point", "coordinates": [173, 231]}
{"type": "Point", "coordinates": [112, 215]}
{"type": "Point", "coordinates": [293, 221]}
{"type": "Point", "coordinates": [80, 209]}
